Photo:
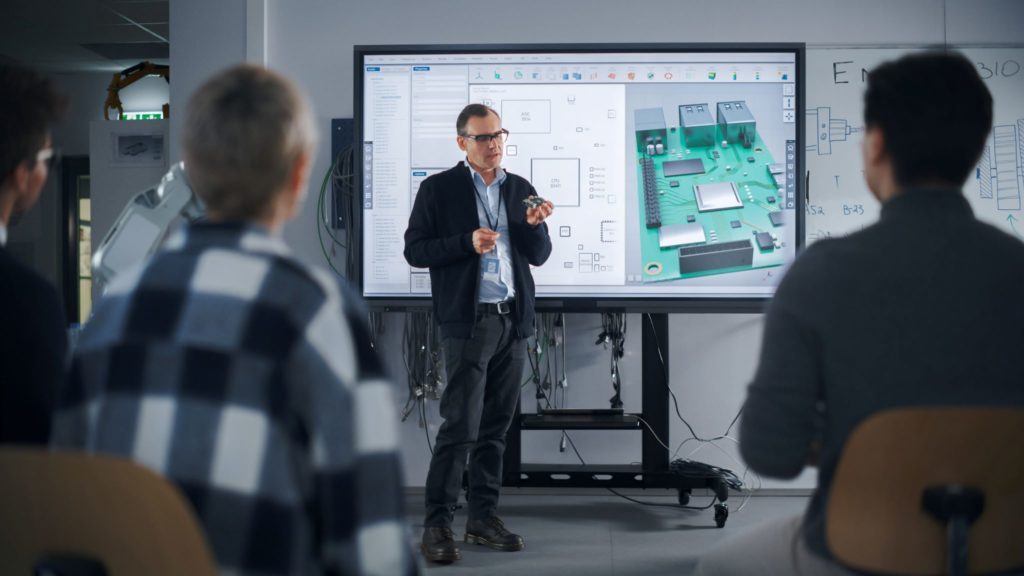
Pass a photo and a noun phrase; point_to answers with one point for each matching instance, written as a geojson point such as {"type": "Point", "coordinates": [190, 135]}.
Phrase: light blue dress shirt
{"type": "Point", "coordinates": [503, 288]}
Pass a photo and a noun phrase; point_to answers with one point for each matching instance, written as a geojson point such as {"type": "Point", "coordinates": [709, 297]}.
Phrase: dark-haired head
{"type": "Point", "coordinates": [29, 105]}
{"type": "Point", "coordinates": [471, 111]}
{"type": "Point", "coordinates": [927, 117]}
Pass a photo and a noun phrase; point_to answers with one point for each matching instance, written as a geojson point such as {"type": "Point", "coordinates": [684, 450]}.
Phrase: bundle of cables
{"type": "Point", "coordinates": [702, 471]}
{"type": "Point", "coordinates": [613, 331]}
{"type": "Point", "coordinates": [422, 355]}
{"type": "Point", "coordinates": [341, 175]}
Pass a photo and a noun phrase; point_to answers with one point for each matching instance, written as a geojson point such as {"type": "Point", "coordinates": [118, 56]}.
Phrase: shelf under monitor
{"type": "Point", "coordinates": [580, 419]}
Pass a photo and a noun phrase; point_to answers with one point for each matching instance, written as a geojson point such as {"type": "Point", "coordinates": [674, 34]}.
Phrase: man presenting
{"type": "Point", "coordinates": [923, 308]}
{"type": "Point", "coordinates": [473, 227]}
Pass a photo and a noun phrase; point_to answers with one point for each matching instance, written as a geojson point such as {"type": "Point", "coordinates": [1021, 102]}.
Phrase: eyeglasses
{"type": "Point", "coordinates": [47, 156]}
{"type": "Point", "coordinates": [486, 139]}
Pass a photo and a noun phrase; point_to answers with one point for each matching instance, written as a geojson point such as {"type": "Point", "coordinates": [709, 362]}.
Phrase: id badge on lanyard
{"type": "Point", "coordinates": [491, 262]}
{"type": "Point", "coordinates": [492, 266]}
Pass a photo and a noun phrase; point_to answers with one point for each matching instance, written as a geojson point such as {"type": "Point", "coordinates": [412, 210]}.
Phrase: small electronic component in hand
{"type": "Point", "coordinates": [533, 201]}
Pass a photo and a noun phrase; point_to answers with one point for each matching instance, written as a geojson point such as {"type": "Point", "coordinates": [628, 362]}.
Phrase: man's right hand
{"type": "Point", "coordinates": [484, 240]}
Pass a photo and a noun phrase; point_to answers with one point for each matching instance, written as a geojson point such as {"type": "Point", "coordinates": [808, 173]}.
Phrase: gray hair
{"type": "Point", "coordinates": [244, 131]}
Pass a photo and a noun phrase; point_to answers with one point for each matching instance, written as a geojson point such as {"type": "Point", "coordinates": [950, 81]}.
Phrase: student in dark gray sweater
{"type": "Point", "coordinates": [922, 308]}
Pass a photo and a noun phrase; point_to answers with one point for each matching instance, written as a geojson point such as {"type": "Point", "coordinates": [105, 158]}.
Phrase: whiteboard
{"type": "Point", "coordinates": [838, 201]}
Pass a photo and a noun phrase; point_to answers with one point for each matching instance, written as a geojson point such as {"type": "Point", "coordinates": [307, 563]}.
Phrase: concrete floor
{"type": "Point", "coordinates": [600, 534]}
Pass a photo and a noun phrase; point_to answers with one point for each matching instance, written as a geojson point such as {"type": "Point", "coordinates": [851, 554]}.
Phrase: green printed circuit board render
{"type": "Point", "coordinates": [710, 193]}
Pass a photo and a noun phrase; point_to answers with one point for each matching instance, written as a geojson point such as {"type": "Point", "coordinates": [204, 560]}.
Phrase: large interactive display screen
{"type": "Point", "coordinates": [675, 170]}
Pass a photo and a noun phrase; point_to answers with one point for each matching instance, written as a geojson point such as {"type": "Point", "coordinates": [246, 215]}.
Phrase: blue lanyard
{"type": "Point", "coordinates": [487, 207]}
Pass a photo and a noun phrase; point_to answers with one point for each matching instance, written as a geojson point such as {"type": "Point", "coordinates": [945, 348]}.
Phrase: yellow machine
{"type": "Point", "coordinates": [129, 76]}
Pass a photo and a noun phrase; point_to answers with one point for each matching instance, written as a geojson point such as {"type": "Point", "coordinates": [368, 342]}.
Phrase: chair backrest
{"type": "Point", "coordinates": [875, 521]}
{"type": "Point", "coordinates": [101, 507]}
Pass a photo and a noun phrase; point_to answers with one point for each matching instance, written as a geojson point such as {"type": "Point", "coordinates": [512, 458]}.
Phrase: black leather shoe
{"type": "Point", "coordinates": [491, 532]}
{"type": "Point", "coordinates": [439, 545]}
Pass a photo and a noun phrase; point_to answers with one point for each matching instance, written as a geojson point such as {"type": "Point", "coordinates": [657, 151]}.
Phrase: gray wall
{"type": "Point", "coordinates": [713, 356]}
{"type": "Point", "coordinates": [86, 94]}
{"type": "Point", "coordinates": [205, 37]}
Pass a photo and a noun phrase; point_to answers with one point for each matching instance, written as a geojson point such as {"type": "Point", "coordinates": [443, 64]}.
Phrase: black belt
{"type": "Point", "coordinates": [502, 308]}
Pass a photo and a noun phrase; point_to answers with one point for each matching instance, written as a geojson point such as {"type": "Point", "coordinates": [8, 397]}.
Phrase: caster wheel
{"type": "Point", "coordinates": [721, 514]}
{"type": "Point", "coordinates": [684, 496]}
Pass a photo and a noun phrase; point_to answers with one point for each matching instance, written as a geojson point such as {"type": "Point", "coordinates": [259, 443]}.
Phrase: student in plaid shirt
{"type": "Point", "coordinates": [244, 376]}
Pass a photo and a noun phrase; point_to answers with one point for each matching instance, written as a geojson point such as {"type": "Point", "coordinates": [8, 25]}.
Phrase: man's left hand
{"type": "Point", "coordinates": [539, 214]}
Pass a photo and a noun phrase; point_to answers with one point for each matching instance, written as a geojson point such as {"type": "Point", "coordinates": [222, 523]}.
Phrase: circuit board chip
{"type": "Point", "coordinates": [717, 196]}
{"type": "Point", "coordinates": [683, 167]}
{"type": "Point", "coordinates": [681, 234]}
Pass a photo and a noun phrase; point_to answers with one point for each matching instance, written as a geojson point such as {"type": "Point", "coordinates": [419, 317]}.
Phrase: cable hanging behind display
{"type": "Point", "coordinates": [544, 368]}
{"type": "Point", "coordinates": [548, 366]}
{"type": "Point", "coordinates": [345, 186]}
{"type": "Point", "coordinates": [342, 179]}
{"type": "Point", "coordinates": [421, 354]}
{"type": "Point", "coordinates": [377, 327]}
{"type": "Point", "coordinates": [613, 332]}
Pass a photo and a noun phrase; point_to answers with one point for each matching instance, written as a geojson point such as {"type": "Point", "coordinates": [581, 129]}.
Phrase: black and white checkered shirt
{"type": "Point", "coordinates": [245, 377]}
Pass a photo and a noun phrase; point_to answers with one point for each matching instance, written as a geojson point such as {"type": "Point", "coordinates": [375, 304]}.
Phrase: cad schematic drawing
{"type": "Point", "coordinates": [557, 180]}
{"type": "Point", "coordinates": [711, 196]}
{"type": "Point", "coordinates": [1000, 172]}
{"type": "Point", "coordinates": [823, 130]}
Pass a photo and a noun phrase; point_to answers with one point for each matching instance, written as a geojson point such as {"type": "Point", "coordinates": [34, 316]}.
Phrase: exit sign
{"type": "Point", "coordinates": [142, 116]}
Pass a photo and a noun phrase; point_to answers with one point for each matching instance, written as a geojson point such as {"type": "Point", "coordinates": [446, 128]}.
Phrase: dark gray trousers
{"type": "Point", "coordinates": [484, 377]}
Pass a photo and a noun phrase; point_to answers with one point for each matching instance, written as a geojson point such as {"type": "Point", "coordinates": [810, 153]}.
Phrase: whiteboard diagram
{"type": "Point", "coordinates": [823, 130]}
{"type": "Point", "coordinates": [1000, 172]}
{"type": "Point", "coordinates": [838, 201]}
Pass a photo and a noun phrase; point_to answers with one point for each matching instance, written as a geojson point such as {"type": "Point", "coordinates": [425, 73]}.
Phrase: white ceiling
{"type": "Point", "coordinates": [84, 35]}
